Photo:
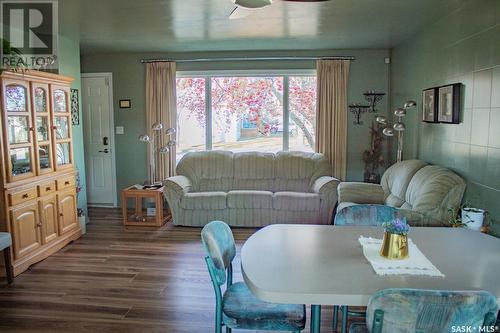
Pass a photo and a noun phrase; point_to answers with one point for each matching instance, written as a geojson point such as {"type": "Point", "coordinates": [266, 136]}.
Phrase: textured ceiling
{"type": "Point", "coordinates": [203, 25]}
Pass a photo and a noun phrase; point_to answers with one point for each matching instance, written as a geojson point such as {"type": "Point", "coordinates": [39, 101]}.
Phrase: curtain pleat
{"type": "Point", "coordinates": [331, 113]}
{"type": "Point", "coordinates": [161, 107]}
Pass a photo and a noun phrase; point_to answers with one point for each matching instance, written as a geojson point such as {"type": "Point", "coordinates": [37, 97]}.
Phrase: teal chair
{"type": "Point", "coordinates": [5, 245]}
{"type": "Point", "coordinates": [238, 308]}
{"type": "Point", "coordinates": [428, 311]}
{"type": "Point", "coordinates": [359, 215]}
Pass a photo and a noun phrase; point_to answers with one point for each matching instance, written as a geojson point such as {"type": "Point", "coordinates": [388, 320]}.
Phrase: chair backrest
{"type": "Point", "coordinates": [218, 241]}
{"type": "Point", "coordinates": [367, 215]}
{"type": "Point", "coordinates": [395, 181]}
{"type": "Point", "coordinates": [416, 310]}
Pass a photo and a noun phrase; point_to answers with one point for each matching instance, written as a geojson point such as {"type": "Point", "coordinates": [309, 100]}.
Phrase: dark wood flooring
{"type": "Point", "coordinates": [117, 281]}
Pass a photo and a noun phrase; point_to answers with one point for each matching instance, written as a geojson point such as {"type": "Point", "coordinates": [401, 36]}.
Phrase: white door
{"type": "Point", "coordinates": [99, 139]}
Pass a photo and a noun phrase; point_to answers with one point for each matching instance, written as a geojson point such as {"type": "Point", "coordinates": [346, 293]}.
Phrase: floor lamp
{"type": "Point", "coordinates": [399, 127]}
{"type": "Point", "coordinates": [156, 131]}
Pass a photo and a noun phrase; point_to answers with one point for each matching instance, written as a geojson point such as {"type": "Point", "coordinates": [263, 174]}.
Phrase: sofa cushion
{"type": "Point", "coordinates": [204, 200]}
{"type": "Point", "coordinates": [253, 171]}
{"type": "Point", "coordinates": [208, 170]}
{"type": "Point", "coordinates": [296, 201]}
{"type": "Point", "coordinates": [433, 191]}
{"type": "Point", "coordinates": [396, 179]}
{"type": "Point", "coordinates": [249, 199]}
{"type": "Point", "coordinates": [296, 171]}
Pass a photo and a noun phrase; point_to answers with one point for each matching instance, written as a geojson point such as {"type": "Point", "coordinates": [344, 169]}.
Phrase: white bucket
{"type": "Point", "coordinates": [473, 218]}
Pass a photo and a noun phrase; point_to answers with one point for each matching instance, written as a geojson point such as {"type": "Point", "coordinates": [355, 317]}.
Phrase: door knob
{"type": "Point", "coordinates": [104, 151]}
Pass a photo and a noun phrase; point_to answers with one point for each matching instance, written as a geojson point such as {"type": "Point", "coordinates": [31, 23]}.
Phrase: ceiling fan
{"type": "Point", "coordinates": [244, 7]}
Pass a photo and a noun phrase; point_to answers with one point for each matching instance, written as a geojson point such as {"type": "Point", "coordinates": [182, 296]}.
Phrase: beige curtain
{"type": "Point", "coordinates": [161, 107]}
{"type": "Point", "coordinates": [331, 113]}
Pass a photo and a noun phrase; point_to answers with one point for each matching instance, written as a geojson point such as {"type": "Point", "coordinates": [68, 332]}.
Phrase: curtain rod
{"type": "Point", "coordinates": [249, 59]}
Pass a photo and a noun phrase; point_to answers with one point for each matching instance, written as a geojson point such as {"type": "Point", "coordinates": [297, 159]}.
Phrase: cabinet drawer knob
{"type": "Point", "coordinates": [25, 196]}
{"type": "Point", "coordinates": [38, 224]}
{"type": "Point", "coordinates": [66, 182]}
{"type": "Point", "coordinates": [48, 188]}
{"type": "Point", "coordinates": [61, 214]}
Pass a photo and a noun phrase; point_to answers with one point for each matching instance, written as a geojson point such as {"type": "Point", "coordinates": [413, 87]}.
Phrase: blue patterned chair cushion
{"type": "Point", "coordinates": [358, 328]}
{"type": "Point", "coordinates": [368, 215]}
{"type": "Point", "coordinates": [414, 310]}
{"type": "Point", "coordinates": [242, 310]}
{"type": "Point", "coordinates": [5, 240]}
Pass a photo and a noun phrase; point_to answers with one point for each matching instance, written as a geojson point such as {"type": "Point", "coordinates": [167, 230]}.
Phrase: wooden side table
{"type": "Point", "coordinates": [138, 216]}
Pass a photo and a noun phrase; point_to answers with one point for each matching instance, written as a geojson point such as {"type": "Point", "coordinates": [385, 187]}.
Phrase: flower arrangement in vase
{"type": "Point", "coordinates": [395, 242]}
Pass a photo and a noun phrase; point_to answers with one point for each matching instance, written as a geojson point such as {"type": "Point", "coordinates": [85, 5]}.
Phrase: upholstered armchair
{"type": "Point", "coordinates": [422, 193]}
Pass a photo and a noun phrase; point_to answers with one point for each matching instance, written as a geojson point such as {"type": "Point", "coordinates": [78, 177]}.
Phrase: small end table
{"type": "Point", "coordinates": [139, 215]}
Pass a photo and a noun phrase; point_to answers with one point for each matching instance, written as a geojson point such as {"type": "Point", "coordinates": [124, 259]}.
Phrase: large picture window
{"type": "Point", "coordinates": [246, 112]}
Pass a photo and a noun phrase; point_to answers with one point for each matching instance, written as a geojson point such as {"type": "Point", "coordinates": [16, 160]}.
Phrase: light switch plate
{"type": "Point", "coordinates": [120, 130]}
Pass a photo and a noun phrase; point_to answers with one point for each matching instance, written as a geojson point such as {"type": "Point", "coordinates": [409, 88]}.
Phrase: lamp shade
{"type": "Point", "coordinates": [144, 138]}
{"type": "Point", "coordinates": [252, 3]}
{"type": "Point", "coordinates": [400, 112]}
{"type": "Point", "coordinates": [157, 127]}
{"type": "Point", "coordinates": [170, 131]}
{"type": "Point", "coordinates": [388, 131]}
{"type": "Point", "coordinates": [410, 104]}
{"type": "Point", "coordinates": [399, 127]}
{"type": "Point", "coordinates": [381, 120]}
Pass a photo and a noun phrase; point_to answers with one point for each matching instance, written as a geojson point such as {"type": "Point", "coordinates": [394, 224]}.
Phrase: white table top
{"type": "Point", "coordinates": [325, 265]}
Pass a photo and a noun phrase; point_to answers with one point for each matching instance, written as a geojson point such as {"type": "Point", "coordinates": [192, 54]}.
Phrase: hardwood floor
{"type": "Point", "coordinates": [118, 281]}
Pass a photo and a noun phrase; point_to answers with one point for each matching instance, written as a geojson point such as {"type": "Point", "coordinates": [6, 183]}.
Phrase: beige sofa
{"type": "Point", "coordinates": [421, 192]}
{"type": "Point", "coordinates": [252, 189]}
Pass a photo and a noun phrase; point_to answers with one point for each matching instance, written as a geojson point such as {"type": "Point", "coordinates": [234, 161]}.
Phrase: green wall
{"type": "Point", "coordinates": [463, 47]}
{"type": "Point", "coordinates": [368, 72]}
{"type": "Point", "coordinates": [69, 64]}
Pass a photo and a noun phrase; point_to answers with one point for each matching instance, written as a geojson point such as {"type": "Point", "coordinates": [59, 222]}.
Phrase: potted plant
{"type": "Point", "coordinates": [395, 242]}
{"type": "Point", "coordinates": [473, 217]}
{"type": "Point", "coordinates": [455, 219]}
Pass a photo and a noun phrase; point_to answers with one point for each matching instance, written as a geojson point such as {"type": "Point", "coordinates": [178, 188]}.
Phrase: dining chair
{"type": "Point", "coordinates": [237, 307]}
{"type": "Point", "coordinates": [428, 311]}
{"type": "Point", "coordinates": [359, 215]}
{"type": "Point", "coordinates": [5, 245]}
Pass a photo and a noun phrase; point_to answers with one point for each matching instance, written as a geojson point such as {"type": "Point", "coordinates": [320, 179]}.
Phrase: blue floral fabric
{"type": "Point", "coordinates": [241, 309]}
{"type": "Point", "coordinates": [429, 311]}
{"type": "Point", "coordinates": [366, 215]}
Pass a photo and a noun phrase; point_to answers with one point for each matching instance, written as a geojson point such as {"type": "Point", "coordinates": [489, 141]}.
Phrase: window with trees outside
{"type": "Point", "coordinates": [245, 112]}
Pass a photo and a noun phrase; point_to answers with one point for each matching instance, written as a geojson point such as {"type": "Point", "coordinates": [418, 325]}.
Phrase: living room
{"type": "Point", "coordinates": [307, 130]}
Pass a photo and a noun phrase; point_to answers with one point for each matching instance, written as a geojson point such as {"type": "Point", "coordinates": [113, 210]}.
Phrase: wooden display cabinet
{"type": "Point", "coordinates": [37, 180]}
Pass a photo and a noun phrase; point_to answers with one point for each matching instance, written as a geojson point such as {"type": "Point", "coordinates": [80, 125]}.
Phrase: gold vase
{"type": "Point", "coordinates": [394, 246]}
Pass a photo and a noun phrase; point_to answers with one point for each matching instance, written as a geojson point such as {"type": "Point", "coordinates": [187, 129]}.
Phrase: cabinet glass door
{"type": "Point", "coordinates": [43, 142]}
{"type": "Point", "coordinates": [19, 128]}
{"type": "Point", "coordinates": [61, 118]}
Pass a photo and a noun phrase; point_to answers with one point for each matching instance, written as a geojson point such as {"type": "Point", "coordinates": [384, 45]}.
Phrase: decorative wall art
{"type": "Point", "coordinates": [430, 105]}
{"type": "Point", "coordinates": [125, 104]}
{"type": "Point", "coordinates": [75, 107]}
{"type": "Point", "coordinates": [449, 103]}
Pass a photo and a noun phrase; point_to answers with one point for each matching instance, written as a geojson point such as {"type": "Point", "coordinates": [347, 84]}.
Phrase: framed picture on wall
{"type": "Point", "coordinates": [449, 103]}
{"type": "Point", "coordinates": [430, 105]}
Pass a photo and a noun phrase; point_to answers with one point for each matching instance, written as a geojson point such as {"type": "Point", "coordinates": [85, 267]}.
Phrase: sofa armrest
{"type": "Point", "coordinates": [361, 193]}
{"type": "Point", "coordinates": [325, 185]}
{"type": "Point", "coordinates": [178, 184]}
